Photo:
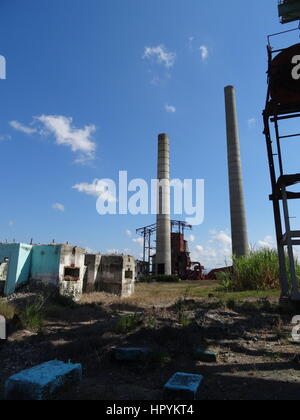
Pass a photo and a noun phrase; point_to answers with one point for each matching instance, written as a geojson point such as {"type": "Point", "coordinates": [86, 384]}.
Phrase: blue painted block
{"type": "Point", "coordinates": [183, 386]}
{"type": "Point", "coordinates": [42, 382]}
{"type": "Point", "coordinates": [131, 354]}
{"type": "Point", "coordinates": [206, 356]}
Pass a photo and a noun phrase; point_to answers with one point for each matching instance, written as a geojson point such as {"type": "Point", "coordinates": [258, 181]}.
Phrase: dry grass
{"type": "Point", "coordinates": [166, 294]}
{"type": "Point", "coordinates": [155, 294]}
{"type": "Point", "coordinates": [7, 310]}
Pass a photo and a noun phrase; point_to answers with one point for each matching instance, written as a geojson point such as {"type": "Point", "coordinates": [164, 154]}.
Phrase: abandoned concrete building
{"type": "Point", "coordinates": [65, 267]}
{"type": "Point", "coordinates": [61, 266]}
{"type": "Point", "coordinates": [110, 273]}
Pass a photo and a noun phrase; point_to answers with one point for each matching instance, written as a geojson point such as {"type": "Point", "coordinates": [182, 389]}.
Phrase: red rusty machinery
{"type": "Point", "coordinates": [182, 265]}
{"type": "Point", "coordinates": [181, 261]}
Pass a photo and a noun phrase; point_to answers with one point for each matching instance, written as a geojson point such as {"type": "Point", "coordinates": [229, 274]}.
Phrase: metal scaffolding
{"type": "Point", "coordinates": [147, 232]}
{"type": "Point", "coordinates": [274, 115]}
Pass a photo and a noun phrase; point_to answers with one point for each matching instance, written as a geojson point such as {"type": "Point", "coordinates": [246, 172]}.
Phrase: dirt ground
{"type": "Point", "coordinates": [257, 358]}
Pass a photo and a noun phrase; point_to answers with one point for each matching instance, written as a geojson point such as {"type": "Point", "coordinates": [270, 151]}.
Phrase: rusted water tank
{"type": "Point", "coordinates": [285, 77]}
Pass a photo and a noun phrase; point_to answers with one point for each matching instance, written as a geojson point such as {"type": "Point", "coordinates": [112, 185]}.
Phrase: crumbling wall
{"type": "Point", "coordinates": [117, 275]}
{"type": "Point", "coordinates": [92, 276]}
{"type": "Point", "coordinates": [71, 271]}
{"type": "Point", "coordinates": [61, 266]}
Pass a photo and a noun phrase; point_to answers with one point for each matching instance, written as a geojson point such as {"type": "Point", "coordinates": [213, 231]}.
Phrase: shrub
{"type": "Point", "coordinates": [128, 323]}
{"type": "Point", "coordinates": [231, 304]}
{"type": "Point", "coordinates": [182, 306]}
{"type": "Point", "coordinates": [184, 320]}
{"type": "Point", "coordinates": [65, 301]}
{"type": "Point", "coordinates": [226, 283]}
{"type": "Point", "coordinates": [257, 271]}
{"type": "Point", "coordinates": [32, 317]}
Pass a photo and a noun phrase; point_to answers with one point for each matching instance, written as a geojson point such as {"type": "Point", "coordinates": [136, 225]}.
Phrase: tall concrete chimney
{"type": "Point", "coordinates": [240, 244]}
{"type": "Point", "coordinates": [163, 234]}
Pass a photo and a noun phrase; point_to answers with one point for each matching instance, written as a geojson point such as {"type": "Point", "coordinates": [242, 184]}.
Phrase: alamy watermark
{"type": "Point", "coordinates": [2, 67]}
{"type": "Point", "coordinates": [2, 328]}
{"type": "Point", "coordinates": [153, 198]}
{"type": "Point", "coordinates": [296, 69]}
{"type": "Point", "coordinates": [296, 329]}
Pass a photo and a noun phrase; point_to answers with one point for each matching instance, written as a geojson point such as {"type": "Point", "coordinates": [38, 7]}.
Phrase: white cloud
{"type": "Point", "coordinates": [90, 251]}
{"type": "Point", "coordinates": [113, 252]}
{"type": "Point", "coordinates": [125, 251]}
{"type": "Point", "coordinates": [170, 109]}
{"type": "Point", "coordinates": [251, 122]}
{"type": "Point", "coordinates": [267, 242]}
{"type": "Point", "coordinates": [59, 207]}
{"type": "Point", "coordinates": [138, 241]}
{"type": "Point", "coordinates": [62, 128]}
{"type": "Point", "coordinates": [5, 137]}
{"type": "Point", "coordinates": [11, 223]}
{"type": "Point", "coordinates": [204, 52]}
{"type": "Point", "coordinates": [216, 253]}
{"type": "Point", "coordinates": [155, 81]}
{"type": "Point", "coordinates": [161, 55]}
{"type": "Point", "coordinates": [79, 139]}
{"type": "Point", "coordinates": [192, 238]}
{"type": "Point", "coordinates": [98, 188]}
{"type": "Point", "coordinates": [128, 233]}
{"type": "Point", "coordinates": [23, 128]}
{"type": "Point", "coordinates": [221, 237]}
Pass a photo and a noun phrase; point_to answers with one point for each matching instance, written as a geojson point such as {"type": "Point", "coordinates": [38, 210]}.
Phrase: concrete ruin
{"type": "Point", "coordinates": [66, 268]}
{"type": "Point", "coordinates": [113, 274]}
{"type": "Point", "coordinates": [62, 266]}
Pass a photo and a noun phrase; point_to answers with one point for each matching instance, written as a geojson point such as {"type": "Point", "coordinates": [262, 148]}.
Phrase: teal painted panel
{"type": "Point", "coordinates": [45, 261]}
{"type": "Point", "coordinates": [24, 264]}
{"type": "Point", "coordinates": [10, 251]}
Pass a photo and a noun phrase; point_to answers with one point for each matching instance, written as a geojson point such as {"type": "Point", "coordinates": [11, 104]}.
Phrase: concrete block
{"type": "Point", "coordinates": [183, 386]}
{"type": "Point", "coordinates": [131, 354]}
{"type": "Point", "coordinates": [206, 356]}
{"type": "Point", "coordinates": [42, 382]}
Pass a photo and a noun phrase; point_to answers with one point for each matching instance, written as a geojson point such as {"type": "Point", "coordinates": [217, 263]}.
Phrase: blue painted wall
{"type": "Point", "coordinates": [19, 256]}
{"type": "Point", "coordinates": [24, 264]}
{"type": "Point", "coordinates": [45, 262]}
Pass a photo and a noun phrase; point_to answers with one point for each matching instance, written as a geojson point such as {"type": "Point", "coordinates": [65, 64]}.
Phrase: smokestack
{"type": "Point", "coordinates": [163, 234]}
{"type": "Point", "coordinates": [240, 245]}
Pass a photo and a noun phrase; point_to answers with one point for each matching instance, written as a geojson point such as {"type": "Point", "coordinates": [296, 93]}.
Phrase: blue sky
{"type": "Point", "coordinates": [84, 98]}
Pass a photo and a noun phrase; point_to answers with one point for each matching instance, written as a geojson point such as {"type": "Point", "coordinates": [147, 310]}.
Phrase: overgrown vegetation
{"type": "Point", "coordinates": [32, 316]}
{"type": "Point", "coordinates": [258, 271]}
{"type": "Point", "coordinates": [182, 306]}
{"type": "Point", "coordinates": [64, 301]}
{"type": "Point", "coordinates": [128, 323]}
{"type": "Point", "coordinates": [260, 305]}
